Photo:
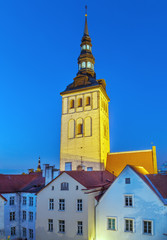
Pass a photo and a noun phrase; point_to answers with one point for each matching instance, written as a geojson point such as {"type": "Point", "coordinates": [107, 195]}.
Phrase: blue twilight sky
{"type": "Point", "coordinates": [39, 46]}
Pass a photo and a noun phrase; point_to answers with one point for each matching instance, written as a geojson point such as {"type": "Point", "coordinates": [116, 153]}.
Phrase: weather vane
{"type": "Point", "coordinates": [86, 10]}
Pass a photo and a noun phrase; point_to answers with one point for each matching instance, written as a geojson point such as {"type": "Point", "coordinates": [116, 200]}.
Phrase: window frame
{"type": "Point", "coordinates": [50, 225]}
{"type": "Point", "coordinates": [115, 222]}
{"type": "Point", "coordinates": [61, 226]}
{"type": "Point", "coordinates": [24, 215]}
{"type": "Point", "coordinates": [130, 201]}
{"type": "Point", "coordinates": [30, 214]}
{"type": "Point", "coordinates": [31, 201]}
{"type": "Point", "coordinates": [61, 204]}
{"type": "Point", "coordinates": [64, 186]}
{"type": "Point", "coordinates": [51, 204]}
{"type": "Point", "coordinates": [79, 227]}
{"type": "Point", "coordinates": [13, 231]}
{"type": "Point", "coordinates": [31, 233]}
{"type": "Point", "coordinates": [129, 220]}
{"type": "Point", "coordinates": [12, 200]}
{"type": "Point", "coordinates": [24, 232]}
{"type": "Point", "coordinates": [148, 221]}
{"type": "Point", "coordinates": [79, 205]}
{"type": "Point", "coordinates": [24, 201]}
{"type": "Point", "coordinates": [12, 216]}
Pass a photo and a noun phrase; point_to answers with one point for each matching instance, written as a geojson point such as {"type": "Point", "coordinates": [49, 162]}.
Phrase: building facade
{"type": "Point", "coordinates": [2, 213]}
{"type": "Point", "coordinates": [133, 207]}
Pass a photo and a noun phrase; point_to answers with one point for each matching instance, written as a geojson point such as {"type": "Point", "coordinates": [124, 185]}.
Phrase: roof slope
{"type": "Point", "coordinates": [160, 182]}
{"type": "Point", "coordinates": [92, 179]}
{"type": "Point", "coordinates": [18, 183]}
{"type": "Point", "coordinates": [116, 162]}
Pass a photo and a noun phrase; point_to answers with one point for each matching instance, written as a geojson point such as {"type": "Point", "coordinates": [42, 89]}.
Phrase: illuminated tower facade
{"type": "Point", "coordinates": [85, 121]}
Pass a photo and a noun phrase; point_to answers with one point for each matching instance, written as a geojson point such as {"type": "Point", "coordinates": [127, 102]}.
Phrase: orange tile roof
{"type": "Point", "coordinates": [116, 162]}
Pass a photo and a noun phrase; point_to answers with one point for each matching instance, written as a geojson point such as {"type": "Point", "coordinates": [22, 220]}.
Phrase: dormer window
{"type": "Point", "coordinates": [83, 64]}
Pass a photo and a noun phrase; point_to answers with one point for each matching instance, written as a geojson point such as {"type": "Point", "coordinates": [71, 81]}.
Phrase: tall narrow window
{"type": "Point", "coordinates": [87, 101]}
{"type": "Point", "coordinates": [24, 200]}
{"type": "Point", "coordinates": [50, 225]}
{"type": "Point", "coordinates": [13, 231]}
{"type": "Point", "coordinates": [80, 228]}
{"type": "Point", "coordinates": [147, 227]}
{"type": "Point", "coordinates": [12, 216]}
{"type": "Point", "coordinates": [71, 128]}
{"type": "Point", "coordinates": [51, 204]}
{"type": "Point", "coordinates": [80, 128]}
{"type": "Point", "coordinates": [62, 226]}
{"type": "Point", "coordinates": [24, 232]}
{"type": "Point", "coordinates": [80, 102]}
{"type": "Point", "coordinates": [83, 64]}
{"type": "Point", "coordinates": [30, 201]}
{"type": "Point", "coordinates": [30, 216]}
{"type": "Point", "coordinates": [72, 103]}
{"type": "Point", "coordinates": [31, 235]}
{"type": "Point", "coordinates": [11, 202]}
{"type": "Point", "coordinates": [24, 215]}
{"type": "Point", "coordinates": [88, 126]}
{"type": "Point", "coordinates": [79, 205]}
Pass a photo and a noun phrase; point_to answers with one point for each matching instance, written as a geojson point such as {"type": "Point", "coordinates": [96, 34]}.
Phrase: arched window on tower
{"type": "Point", "coordinates": [80, 102]}
{"type": "Point", "coordinates": [71, 128]}
{"type": "Point", "coordinates": [79, 126]}
{"type": "Point", "coordinates": [71, 103]}
{"type": "Point", "coordinates": [83, 64]}
{"type": "Point", "coordinates": [87, 101]}
{"type": "Point", "coordinates": [88, 126]}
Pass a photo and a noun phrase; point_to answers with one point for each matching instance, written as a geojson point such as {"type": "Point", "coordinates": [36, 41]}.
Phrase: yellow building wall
{"type": "Point", "coordinates": [91, 146]}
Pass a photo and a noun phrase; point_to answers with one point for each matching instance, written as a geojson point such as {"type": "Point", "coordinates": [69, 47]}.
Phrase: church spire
{"type": "Point", "coordinates": [86, 59]}
{"type": "Point", "coordinates": [86, 24]}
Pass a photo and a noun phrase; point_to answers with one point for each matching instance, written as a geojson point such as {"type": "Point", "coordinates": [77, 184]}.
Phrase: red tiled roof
{"type": "Point", "coordinates": [17, 183]}
{"type": "Point", "coordinates": [160, 182]}
{"type": "Point", "coordinates": [92, 179]}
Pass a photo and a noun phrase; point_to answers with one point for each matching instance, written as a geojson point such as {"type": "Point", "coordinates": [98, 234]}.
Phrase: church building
{"type": "Point", "coordinates": [85, 141]}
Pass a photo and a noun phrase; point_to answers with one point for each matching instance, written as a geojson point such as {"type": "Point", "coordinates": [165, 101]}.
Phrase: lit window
{"type": "Point", "coordinates": [12, 216]}
{"type": "Point", "coordinates": [111, 224]}
{"type": "Point", "coordinates": [11, 201]}
{"type": "Point", "coordinates": [128, 201]}
{"type": "Point", "coordinates": [79, 66]}
{"type": "Point", "coordinates": [50, 225]}
{"type": "Point", "coordinates": [80, 102]}
{"type": "Point", "coordinates": [127, 180]}
{"type": "Point", "coordinates": [83, 64]}
{"type": "Point", "coordinates": [88, 64]}
{"type": "Point", "coordinates": [129, 225]}
{"type": "Point", "coordinates": [24, 215]}
{"type": "Point", "coordinates": [72, 103]}
{"type": "Point", "coordinates": [79, 205]}
{"type": "Point", "coordinates": [80, 128]}
{"type": "Point", "coordinates": [147, 227]}
{"type": "Point", "coordinates": [61, 204]}
{"type": "Point", "coordinates": [30, 216]}
{"type": "Point", "coordinates": [64, 186]}
{"type": "Point", "coordinates": [88, 47]}
{"type": "Point", "coordinates": [92, 66]}
{"type": "Point", "coordinates": [84, 47]}
{"type": "Point", "coordinates": [24, 200]}
{"type": "Point", "coordinates": [30, 201]}
{"type": "Point", "coordinates": [62, 226]}
{"type": "Point", "coordinates": [87, 101]}
{"type": "Point", "coordinates": [13, 231]}
{"type": "Point", "coordinates": [31, 233]}
{"type": "Point", "coordinates": [24, 232]}
{"type": "Point", "coordinates": [80, 228]}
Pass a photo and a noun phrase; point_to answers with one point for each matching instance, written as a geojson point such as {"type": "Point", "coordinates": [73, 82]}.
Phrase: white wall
{"type": "Point", "coordinates": [147, 206]}
{"type": "Point", "coordinates": [70, 215]}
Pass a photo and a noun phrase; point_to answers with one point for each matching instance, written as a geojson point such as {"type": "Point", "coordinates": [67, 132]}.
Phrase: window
{"type": "Point", "coordinates": [88, 64]}
{"type": "Point", "coordinates": [30, 216]}
{"type": "Point", "coordinates": [50, 225]}
{"type": "Point", "coordinates": [24, 232]}
{"type": "Point", "coordinates": [87, 101]}
{"type": "Point", "coordinates": [128, 201]}
{"type": "Point", "coordinates": [80, 228]}
{"type": "Point", "coordinates": [76, 187]}
{"type": "Point", "coordinates": [52, 188]}
{"type": "Point", "coordinates": [68, 166]}
{"type": "Point", "coordinates": [71, 128]}
{"type": "Point", "coordinates": [129, 225]}
{"type": "Point", "coordinates": [147, 227]}
{"type": "Point", "coordinates": [79, 205]}
{"type": "Point", "coordinates": [89, 168]}
{"type": "Point", "coordinates": [83, 64]}
{"type": "Point", "coordinates": [88, 126]}
{"type": "Point", "coordinates": [61, 226]}
{"type": "Point", "coordinates": [24, 200]}
{"type": "Point", "coordinates": [127, 180]}
{"type": "Point", "coordinates": [64, 186]}
{"type": "Point", "coordinates": [30, 201]}
{"type": "Point", "coordinates": [61, 204]}
{"type": "Point", "coordinates": [80, 128]}
{"type": "Point", "coordinates": [24, 215]}
{"type": "Point", "coordinates": [31, 233]}
{"type": "Point", "coordinates": [80, 102]}
{"type": "Point", "coordinates": [72, 103]}
{"type": "Point", "coordinates": [111, 224]}
{"type": "Point", "coordinates": [12, 216]}
{"type": "Point", "coordinates": [11, 202]}
{"type": "Point", "coordinates": [13, 231]}
{"type": "Point", "coordinates": [51, 204]}
{"type": "Point", "coordinates": [84, 47]}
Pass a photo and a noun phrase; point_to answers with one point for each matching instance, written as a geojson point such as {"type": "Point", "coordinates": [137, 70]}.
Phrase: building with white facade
{"type": "Point", "coordinates": [133, 207]}
{"type": "Point", "coordinates": [2, 225]}
{"type": "Point", "coordinates": [20, 208]}
{"type": "Point", "coordinates": [65, 207]}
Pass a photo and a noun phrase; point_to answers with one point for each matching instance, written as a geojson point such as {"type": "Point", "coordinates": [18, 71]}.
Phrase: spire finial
{"type": "Point", "coordinates": [86, 25]}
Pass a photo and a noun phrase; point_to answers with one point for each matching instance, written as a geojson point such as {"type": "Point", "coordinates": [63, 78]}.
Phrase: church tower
{"type": "Point", "coordinates": [85, 119]}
